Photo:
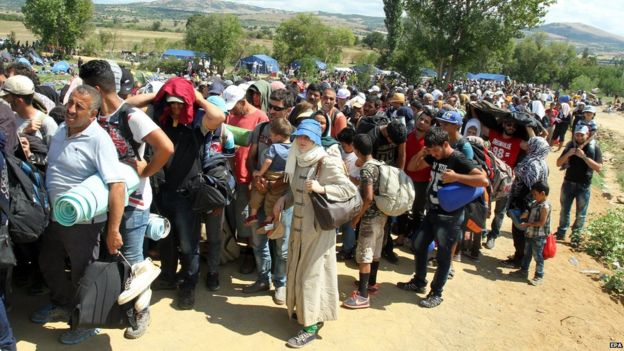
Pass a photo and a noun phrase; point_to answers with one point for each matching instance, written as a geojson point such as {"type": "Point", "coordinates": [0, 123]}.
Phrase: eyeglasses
{"type": "Point", "coordinates": [276, 108]}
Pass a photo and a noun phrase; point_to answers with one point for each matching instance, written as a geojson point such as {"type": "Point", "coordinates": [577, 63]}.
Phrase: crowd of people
{"type": "Point", "coordinates": [285, 141]}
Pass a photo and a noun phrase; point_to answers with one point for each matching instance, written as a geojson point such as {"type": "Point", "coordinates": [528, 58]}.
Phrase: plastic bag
{"type": "Point", "coordinates": [550, 248]}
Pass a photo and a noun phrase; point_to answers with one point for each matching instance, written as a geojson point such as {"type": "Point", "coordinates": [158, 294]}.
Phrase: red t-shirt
{"type": "Point", "coordinates": [505, 149]}
{"type": "Point", "coordinates": [248, 121]}
{"type": "Point", "coordinates": [412, 147]}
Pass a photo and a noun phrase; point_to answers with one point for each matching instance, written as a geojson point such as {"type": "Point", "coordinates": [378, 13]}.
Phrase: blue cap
{"type": "Point", "coordinates": [452, 117]}
{"type": "Point", "coordinates": [311, 129]}
{"type": "Point", "coordinates": [216, 88]}
{"type": "Point", "coordinates": [219, 102]}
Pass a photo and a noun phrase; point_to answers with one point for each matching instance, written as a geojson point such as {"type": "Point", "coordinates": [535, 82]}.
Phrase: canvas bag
{"type": "Point", "coordinates": [396, 193]}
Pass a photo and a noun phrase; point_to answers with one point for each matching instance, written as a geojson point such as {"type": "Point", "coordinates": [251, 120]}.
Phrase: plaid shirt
{"type": "Point", "coordinates": [535, 208]}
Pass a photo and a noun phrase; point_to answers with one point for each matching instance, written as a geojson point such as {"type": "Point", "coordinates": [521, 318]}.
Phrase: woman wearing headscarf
{"type": "Point", "coordinates": [563, 124]}
{"type": "Point", "coordinates": [312, 282]}
{"type": "Point", "coordinates": [530, 170]}
{"type": "Point", "coordinates": [331, 145]}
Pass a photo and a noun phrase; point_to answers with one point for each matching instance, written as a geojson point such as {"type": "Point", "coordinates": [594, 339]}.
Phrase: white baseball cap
{"type": "Point", "coordinates": [18, 85]}
{"type": "Point", "coordinates": [343, 94]}
{"type": "Point", "coordinates": [232, 95]}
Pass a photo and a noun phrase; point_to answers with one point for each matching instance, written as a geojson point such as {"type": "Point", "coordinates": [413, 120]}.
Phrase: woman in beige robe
{"type": "Point", "coordinates": [312, 281]}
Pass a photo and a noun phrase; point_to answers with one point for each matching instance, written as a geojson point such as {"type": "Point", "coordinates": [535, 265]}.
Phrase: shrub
{"type": "Point", "coordinates": [606, 242]}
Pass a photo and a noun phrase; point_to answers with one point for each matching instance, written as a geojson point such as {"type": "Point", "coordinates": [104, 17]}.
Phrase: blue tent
{"type": "Point", "coordinates": [61, 66]}
{"type": "Point", "coordinates": [487, 76]}
{"type": "Point", "coordinates": [34, 57]}
{"type": "Point", "coordinates": [366, 68]}
{"type": "Point", "coordinates": [319, 64]}
{"type": "Point", "coordinates": [183, 54]}
{"type": "Point", "coordinates": [428, 72]}
{"type": "Point", "coordinates": [265, 64]}
{"type": "Point", "coordinates": [23, 60]}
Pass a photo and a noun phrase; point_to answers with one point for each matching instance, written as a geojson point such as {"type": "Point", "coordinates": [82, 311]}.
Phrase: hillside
{"type": "Point", "coordinates": [583, 36]}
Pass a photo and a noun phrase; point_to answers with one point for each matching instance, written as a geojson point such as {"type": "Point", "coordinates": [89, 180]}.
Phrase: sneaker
{"type": "Point", "coordinates": [390, 256]}
{"type": "Point", "coordinates": [279, 297]}
{"type": "Point", "coordinates": [451, 273]}
{"type": "Point", "coordinates": [38, 288]}
{"type": "Point", "coordinates": [474, 256]}
{"type": "Point", "coordinates": [186, 299]}
{"type": "Point", "coordinates": [143, 274]}
{"type": "Point", "coordinates": [301, 339]}
{"type": "Point", "coordinates": [457, 258]}
{"type": "Point", "coordinates": [50, 313]}
{"type": "Point", "coordinates": [511, 263]}
{"type": "Point", "coordinates": [536, 281]}
{"type": "Point", "coordinates": [212, 281]}
{"type": "Point", "coordinates": [412, 286]}
{"type": "Point", "coordinates": [257, 286]}
{"type": "Point", "coordinates": [143, 300]}
{"type": "Point", "coordinates": [356, 301]}
{"type": "Point", "coordinates": [143, 320]}
{"type": "Point", "coordinates": [489, 244]}
{"type": "Point", "coordinates": [248, 264]}
{"type": "Point", "coordinates": [73, 337]}
{"type": "Point", "coordinates": [431, 301]}
{"type": "Point", "coordinates": [372, 289]}
{"type": "Point", "coordinates": [520, 274]}
{"type": "Point", "coordinates": [161, 284]}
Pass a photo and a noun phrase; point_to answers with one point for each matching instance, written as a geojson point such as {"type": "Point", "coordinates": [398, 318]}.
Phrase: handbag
{"type": "Point", "coordinates": [332, 214]}
{"type": "Point", "coordinates": [475, 216]}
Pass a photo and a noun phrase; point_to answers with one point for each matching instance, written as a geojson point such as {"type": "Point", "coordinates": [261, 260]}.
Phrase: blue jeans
{"type": "Point", "coordinates": [446, 230]}
{"type": "Point", "coordinates": [348, 238]}
{"type": "Point", "coordinates": [238, 210]}
{"type": "Point", "coordinates": [185, 232]}
{"type": "Point", "coordinates": [571, 191]}
{"type": "Point", "coordinates": [262, 253]}
{"type": "Point", "coordinates": [534, 247]}
{"type": "Point", "coordinates": [499, 215]}
{"type": "Point", "coordinates": [7, 340]}
{"type": "Point", "coordinates": [132, 231]}
{"type": "Point", "coordinates": [214, 235]}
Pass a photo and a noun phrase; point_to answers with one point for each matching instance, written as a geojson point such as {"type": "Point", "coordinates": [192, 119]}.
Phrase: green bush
{"type": "Point", "coordinates": [605, 241]}
{"type": "Point", "coordinates": [167, 66]}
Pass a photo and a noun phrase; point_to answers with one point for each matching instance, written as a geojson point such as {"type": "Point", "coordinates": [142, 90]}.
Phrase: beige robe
{"type": "Point", "coordinates": [312, 280]}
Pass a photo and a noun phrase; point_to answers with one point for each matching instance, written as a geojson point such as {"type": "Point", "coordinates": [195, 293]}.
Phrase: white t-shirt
{"type": "Point", "coordinates": [349, 160]}
{"type": "Point", "coordinates": [48, 126]}
{"type": "Point", "coordinates": [141, 125]}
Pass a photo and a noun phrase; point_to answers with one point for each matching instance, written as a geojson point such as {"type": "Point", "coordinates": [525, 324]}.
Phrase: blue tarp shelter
{"type": "Point", "coordinates": [264, 64]}
{"type": "Point", "coordinates": [34, 57]}
{"type": "Point", "coordinates": [486, 76]}
{"type": "Point", "coordinates": [183, 54]}
{"type": "Point", "coordinates": [428, 72]}
{"type": "Point", "coordinates": [319, 64]}
{"type": "Point", "coordinates": [61, 66]}
{"type": "Point", "coordinates": [366, 68]}
{"type": "Point", "coordinates": [23, 60]}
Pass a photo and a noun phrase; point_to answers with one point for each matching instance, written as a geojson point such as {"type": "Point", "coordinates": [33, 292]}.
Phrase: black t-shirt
{"type": "Point", "coordinates": [456, 162]}
{"type": "Point", "coordinates": [383, 150]}
{"type": "Point", "coordinates": [579, 171]}
{"type": "Point", "coordinates": [184, 162]}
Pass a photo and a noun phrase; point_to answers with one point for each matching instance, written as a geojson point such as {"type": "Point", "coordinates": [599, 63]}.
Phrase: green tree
{"type": "Point", "coordinates": [375, 41]}
{"type": "Point", "coordinates": [305, 35]}
{"type": "Point", "coordinates": [218, 35]}
{"type": "Point", "coordinates": [583, 82]}
{"type": "Point", "coordinates": [156, 26]}
{"type": "Point", "coordinates": [58, 22]}
{"type": "Point", "coordinates": [456, 34]}
{"type": "Point", "coordinates": [409, 58]}
{"type": "Point", "coordinates": [393, 10]}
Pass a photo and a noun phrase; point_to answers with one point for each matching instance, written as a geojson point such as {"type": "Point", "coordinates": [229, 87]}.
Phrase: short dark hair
{"type": "Point", "coordinates": [98, 73]}
{"type": "Point", "coordinates": [313, 87]}
{"type": "Point", "coordinates": [416, 104]}
{"type": "Point", "coordinates": [328, 89]}
{"type": "Point", "coordinates": [28, 99]}
{"type": "Point", "coordinates": [284, 96]}
{"type": "Point", "coordinates": [346, 135]}
{"type": "Point", "coordinates": [397, 132]}
{"type": "Point", "coordinates": [436, 136]}
{"type": "Point", "coordinates": [22, 69]}
{"type": "Point", "coordinates": [363, 144]}
{"type": "Point", "coordinates": [541, 187]}
{"type": "Point", "coordinates": [374, 99]}
{"type": "Point", "coordinates": [281, 126]}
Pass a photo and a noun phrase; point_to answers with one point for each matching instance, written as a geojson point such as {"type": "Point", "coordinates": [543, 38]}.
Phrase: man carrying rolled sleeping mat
{"type": "Point", "coordinates": [79, 149]}
{"type": "Point", "coordinates": [130, 130]}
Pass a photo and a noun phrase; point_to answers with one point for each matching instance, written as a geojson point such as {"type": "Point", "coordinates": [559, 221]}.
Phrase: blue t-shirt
{"type": "Point", "coordinates": [278, 153]}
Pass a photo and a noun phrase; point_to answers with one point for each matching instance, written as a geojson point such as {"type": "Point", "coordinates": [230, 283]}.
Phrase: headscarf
{"type": "Point", "coordinates": [473, 122]}
{"type": "Point", "coordinates": [565, 110]}
{"type": "Point", "coordinates": [264, 88]}
{"type": "Point", "coordinates": [533, 167]}
{"type": "Point", "coordinates": [326, 138]}
{"type": "Point", "coordinates": [304, 159]}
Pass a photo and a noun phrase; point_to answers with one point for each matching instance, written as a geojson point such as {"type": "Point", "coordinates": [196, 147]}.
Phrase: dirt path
{"type": "Point", "coordinates": [482, 310]}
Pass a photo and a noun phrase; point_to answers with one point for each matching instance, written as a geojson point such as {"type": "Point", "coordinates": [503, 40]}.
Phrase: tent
{"type": "Point", "coordinates": [34, 57]}
{"type": "Point", "coordinates": [183, 54]}
{"type": "Point", "coordinates": [343, 69]}
{"type": "Point", "coordinates": [23, 60]}
{"type": "Point", "coordinates": [6, 56]}
{"type": "Point", "coordinates": [319, 64]}
{"type": "Point", "coordinates": [61, 66]}
{"type": "Point", "coordinates": [366, 68]}
{"type": "Point", "coordinates": [264, 64]}
{"type": "Point", "coordinates": [487, 76]}
{"type": "Point", "coordinates": [428, 72]}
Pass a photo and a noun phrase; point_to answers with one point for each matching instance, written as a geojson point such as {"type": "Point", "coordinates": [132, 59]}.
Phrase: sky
{"type": "Point", "coordinates": [603, 14]}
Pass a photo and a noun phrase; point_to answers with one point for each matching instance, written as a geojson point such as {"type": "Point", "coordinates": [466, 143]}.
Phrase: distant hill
{"type": "Point", "coordinates": [583, 36]}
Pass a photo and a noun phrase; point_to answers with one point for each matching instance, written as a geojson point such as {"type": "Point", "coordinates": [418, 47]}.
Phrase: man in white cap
{"type": "Point", "coordinates": [18, 91]}
{"type": "Point", "coordinates": [583, 162]}
{"type": "Point", "coordinates": [342, 96]}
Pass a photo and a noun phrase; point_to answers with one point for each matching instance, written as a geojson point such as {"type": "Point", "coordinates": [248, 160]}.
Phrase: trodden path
{"type": "Point", "coordinates": [482, 309]}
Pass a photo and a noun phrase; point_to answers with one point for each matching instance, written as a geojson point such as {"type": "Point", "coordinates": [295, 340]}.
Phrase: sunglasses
{"type": "Point", "coordinates": [276, 108]}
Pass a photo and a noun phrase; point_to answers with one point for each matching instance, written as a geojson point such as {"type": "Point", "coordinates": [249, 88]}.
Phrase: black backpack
{"type": "Point", "coordinates": [96, 297]}
{"type": "Point", "coordinates": [29, 208]}
{"type": "Point", "coordinates": [366, 124]}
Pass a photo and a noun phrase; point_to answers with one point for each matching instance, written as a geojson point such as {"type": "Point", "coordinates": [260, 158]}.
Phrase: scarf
{"type": "Point", "coordinates": [473, 122]}
{"type": "Point", "coordinates": [533, 167]}
{"type": "Point", "coordinates": [302, 159]}
{"type": "Point", "coordinates": [328, 141]}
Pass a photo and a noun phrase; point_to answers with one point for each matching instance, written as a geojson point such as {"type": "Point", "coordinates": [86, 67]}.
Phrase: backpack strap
{"type": "Point", "coordinates": [124, 127]}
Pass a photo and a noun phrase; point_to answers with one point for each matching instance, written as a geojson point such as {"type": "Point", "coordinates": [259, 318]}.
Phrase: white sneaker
{"type": "Point", "coordinates": [143, 274]}
{"type": "Point", "coordinates": [143, 300]}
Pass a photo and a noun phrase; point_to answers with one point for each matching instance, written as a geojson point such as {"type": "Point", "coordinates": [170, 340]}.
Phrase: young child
{"type": "Point", "coordinates": [273, 163]}
{"type": "Point", "coordinates": [370, 240]}
{"type": "Point", "coordinates": [589, 113]}
{"type": "Point", "coordinates": [537, 227]}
